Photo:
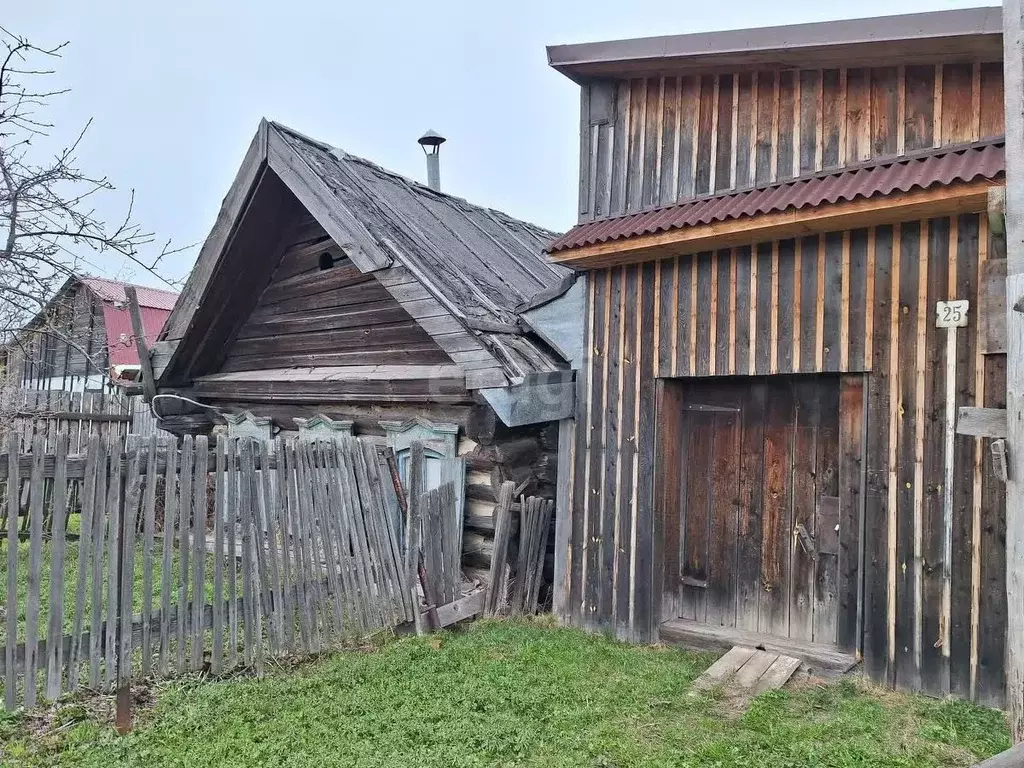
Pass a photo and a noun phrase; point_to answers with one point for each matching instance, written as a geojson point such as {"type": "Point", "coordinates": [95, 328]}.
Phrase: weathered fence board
{"type": "Point", "coordinates": [302, 552]}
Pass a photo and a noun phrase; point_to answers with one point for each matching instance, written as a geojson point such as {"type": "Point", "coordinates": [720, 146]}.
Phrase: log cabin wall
{"type": "Point", "coordinates": [649, 142]}
{"type": "Point", "coordinates": [856, 304]}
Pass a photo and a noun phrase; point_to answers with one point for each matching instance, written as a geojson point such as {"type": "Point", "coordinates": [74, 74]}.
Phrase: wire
{"type": "Point", "coordinates": [158, 417]}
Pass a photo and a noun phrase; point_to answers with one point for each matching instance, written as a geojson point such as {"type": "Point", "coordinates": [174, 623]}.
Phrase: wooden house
{"type": "Point", "coordinates": [765, 448]}
{"type": "Point", "coordinates": [333, 296]}
{"type": "Point", "coordinates": [70, 366]}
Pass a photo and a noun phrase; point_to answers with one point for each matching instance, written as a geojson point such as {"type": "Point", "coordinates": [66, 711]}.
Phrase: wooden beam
{"type": "Point", "coordinates": [981, 422]}
{"type": "Point", "coordinates": [829, 217]}
{"type": "Point", "coordinates": [1013, 58]}
{"type": "Point", "coordinates": [139, 331]}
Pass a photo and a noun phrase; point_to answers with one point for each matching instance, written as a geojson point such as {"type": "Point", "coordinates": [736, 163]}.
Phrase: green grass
{"type": "Point", "coordinates": [70, 576]}
{"type": "Point", "coordinates": [510, 694]}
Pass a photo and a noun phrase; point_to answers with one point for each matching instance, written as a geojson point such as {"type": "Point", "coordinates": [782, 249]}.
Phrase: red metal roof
{"type": "Point", "coordinates": [154, 305]}
{"type": "Point", "coordinates": [943, 167]}
{"type": "Point", "coordinates": [113, 290]}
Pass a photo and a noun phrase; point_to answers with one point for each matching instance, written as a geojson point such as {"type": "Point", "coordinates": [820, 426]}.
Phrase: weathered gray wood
{"type": "Point", "coordinates": [981, 422]}
{"type": "Point", "coordinates": [268, 524]}
{"type": "Point", "coordinates": [724, 668]}
{"type": "Point", "coordinates": [283, 533]}
{"type": "Point", "coordinates": [98, 533]}
{"type": "Point", "coordinates": [823, 659]}
{"type": "Point", "coordinates": [464, 608]}
{"type": "Point", "coordinates": [750, 673]}
{"type": "Point", "coordinates": [13, 496]}
{"type": "Point", "coordinates": [413, 528]}
{"type": "Point", "coordinates": [502, 534]}
{"type": "Point", "coordinates": [126, 576]}
{"type": "Point", "coordinates": [217, 657]}
{"type": "Point", "coordinates": [250, 579]}
{"type": "Point", "coordinates": [35, 563]}
{"type": "Point", "coordinates": [777, 674]}
{"type": "Point", "coordinates": [55, 649]}
{"type": "Point", "coordinates": [322, 471]}
{"type": "Point", "coordinates": [139, 331]}
{"type": "Point", "coordinates": [184, 521]}
{"type": "Point", "coordinates": [231, 496]}
{"type": "Point", "coordinates": [166, 583]}
{"type": "Point", "coordinates": [369, 586]}
{"type": "Point", "coordinates": [310, 562]}
{"type": "Point", "coordinates": [388, 533]}
{"type": "Point", "coordinates": [328, 209]}
{"type": "Point", "coordinates": [199, 513]}
{"type": "Point", "coordinates": [1011, 758]}
{"type": "Point", "coordinates": [148, 536]}
{"type": "Point", "coordinates": [1013, 75]}
{"type": "Point", "coordinates": [432, 557]}
{"type": "Point", "coordinates": [114, 511]}
{"type": "Point", "coordinates": [386, 571]}
{"type": "Point", "coordinates": [992, 309]}
{"type": "Point", "coordinates": [295, 544]}
{"type": "Point", "coordinates": [257, 569]}
{"type": "Point", "coordinates": [84, 554]}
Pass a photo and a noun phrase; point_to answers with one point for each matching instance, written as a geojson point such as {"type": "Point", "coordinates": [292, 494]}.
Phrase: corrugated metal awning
{"type": "Point", "coordinates": [949, 165]}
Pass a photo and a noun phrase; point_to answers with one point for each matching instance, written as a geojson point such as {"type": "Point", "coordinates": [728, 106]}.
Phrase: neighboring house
{"type": "Point", "coordinates": [764, 448]}
{"type": "Point", "coordinates": [334, 296]}
{"type": "Point", "coordinates": [83, 340]}
{"type": "Point", "coordinates": [70, 365]}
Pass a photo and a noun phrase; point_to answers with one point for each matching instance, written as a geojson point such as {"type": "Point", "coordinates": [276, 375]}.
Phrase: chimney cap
{"type": "Point", "coordinates": [431, 139]}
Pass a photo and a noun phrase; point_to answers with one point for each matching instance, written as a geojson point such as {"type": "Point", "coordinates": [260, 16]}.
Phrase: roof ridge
{"type": "Point", "coordinates": [418, 186]}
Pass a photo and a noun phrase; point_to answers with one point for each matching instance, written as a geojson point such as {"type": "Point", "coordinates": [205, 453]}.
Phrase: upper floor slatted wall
{"type": "Point", "coordinates": [654, 141]}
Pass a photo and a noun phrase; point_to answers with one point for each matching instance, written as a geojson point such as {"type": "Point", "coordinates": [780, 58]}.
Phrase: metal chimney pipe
{"type": "Point", "coordinates": [434, 171]}
{"type": "Point", "coordinates": [431, 142]}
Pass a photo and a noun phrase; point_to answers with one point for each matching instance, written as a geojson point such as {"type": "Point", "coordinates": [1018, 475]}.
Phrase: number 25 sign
{"type": "Point", "coordinates": [951, 314]}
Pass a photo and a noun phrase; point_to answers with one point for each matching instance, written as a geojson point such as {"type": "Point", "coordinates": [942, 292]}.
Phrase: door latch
{"type": "Point", "coordinates": [806, 541]}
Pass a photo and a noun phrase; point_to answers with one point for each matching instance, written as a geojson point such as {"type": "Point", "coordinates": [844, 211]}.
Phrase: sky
{"type": "Point", "coordinates": [176, 90]}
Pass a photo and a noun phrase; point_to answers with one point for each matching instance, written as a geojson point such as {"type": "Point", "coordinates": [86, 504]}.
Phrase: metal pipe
{"type": "Point", "coordinates": [434, 171]}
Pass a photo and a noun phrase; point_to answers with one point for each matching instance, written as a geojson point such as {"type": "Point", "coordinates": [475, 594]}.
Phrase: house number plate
{"type": "Point", "coordinates": [951, 314]}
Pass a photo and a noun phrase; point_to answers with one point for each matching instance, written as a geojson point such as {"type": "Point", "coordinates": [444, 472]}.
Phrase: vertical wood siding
{"type": "Point", "coordinates": [650, 142]}
{"type": "Point", "coordinates": [858, 302]}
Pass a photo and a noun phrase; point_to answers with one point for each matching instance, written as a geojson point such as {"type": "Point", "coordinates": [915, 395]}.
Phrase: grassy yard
{"type": "Point", "coordinates": [508, 694]}
{"type": "Point", "coordinates": [70, 576]}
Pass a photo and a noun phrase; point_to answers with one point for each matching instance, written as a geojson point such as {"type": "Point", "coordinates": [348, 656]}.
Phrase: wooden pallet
{"type": "Point", "coordinates": [747, 672]}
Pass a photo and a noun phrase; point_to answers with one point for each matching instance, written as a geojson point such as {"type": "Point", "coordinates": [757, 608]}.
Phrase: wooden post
{"type": "Point", "coordinates": [1013, 64]}
{"type": "Point", "coordinates": [139, 331]}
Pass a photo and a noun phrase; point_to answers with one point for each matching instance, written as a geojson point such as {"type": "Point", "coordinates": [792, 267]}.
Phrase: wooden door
{"type": "Point", "coordinates": [760, 528]}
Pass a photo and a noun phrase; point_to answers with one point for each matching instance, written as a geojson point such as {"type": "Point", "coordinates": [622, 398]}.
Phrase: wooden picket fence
{"type": "Point", "coordinates": [188, 558]}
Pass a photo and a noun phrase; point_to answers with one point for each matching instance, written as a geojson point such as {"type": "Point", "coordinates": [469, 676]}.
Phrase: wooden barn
{"type": "Point", "coordinates": [71, 367]}
{"type": "Point", "coordinates": [793, 285]}
{"type": "Point", "coordinates": [335, 296]}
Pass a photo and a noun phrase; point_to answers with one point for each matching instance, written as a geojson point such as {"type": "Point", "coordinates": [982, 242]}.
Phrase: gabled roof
{"type": "Point", "coordinates": [969, 33]}
{"type": "Point", "coordinates": [942, 167]}
{"type": "Point", "coordinates": [477, 263]}
{"type": "Point", "coordinates": [113, 290]}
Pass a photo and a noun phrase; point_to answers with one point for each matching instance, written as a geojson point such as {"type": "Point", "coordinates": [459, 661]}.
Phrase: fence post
{"type": "Point", "coordinates": [123, 710]}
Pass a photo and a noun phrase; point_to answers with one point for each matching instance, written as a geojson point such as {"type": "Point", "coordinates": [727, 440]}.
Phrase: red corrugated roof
{"type": "Point", "coordinates": [113, 290]}
{"type": "Point", "coordinates": [155, 307]}
{"type": "Point", "coordinates": [938, 167]}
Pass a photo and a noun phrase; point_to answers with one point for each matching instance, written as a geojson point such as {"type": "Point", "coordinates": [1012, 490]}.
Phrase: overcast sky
{"type": "Point", "coordinates": [176, 91]}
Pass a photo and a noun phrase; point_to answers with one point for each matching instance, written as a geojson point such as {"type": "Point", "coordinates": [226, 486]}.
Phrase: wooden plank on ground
{"type": "Point", "coordinates": [748, 675]}
{"type": "Point", "coordinates": [724, 668]}
{"type": "Point", "coordinates": [777, 674]}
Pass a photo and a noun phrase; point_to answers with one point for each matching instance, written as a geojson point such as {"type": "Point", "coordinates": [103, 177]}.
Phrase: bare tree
{"type": "Point", "coordinates": [48, 220]}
